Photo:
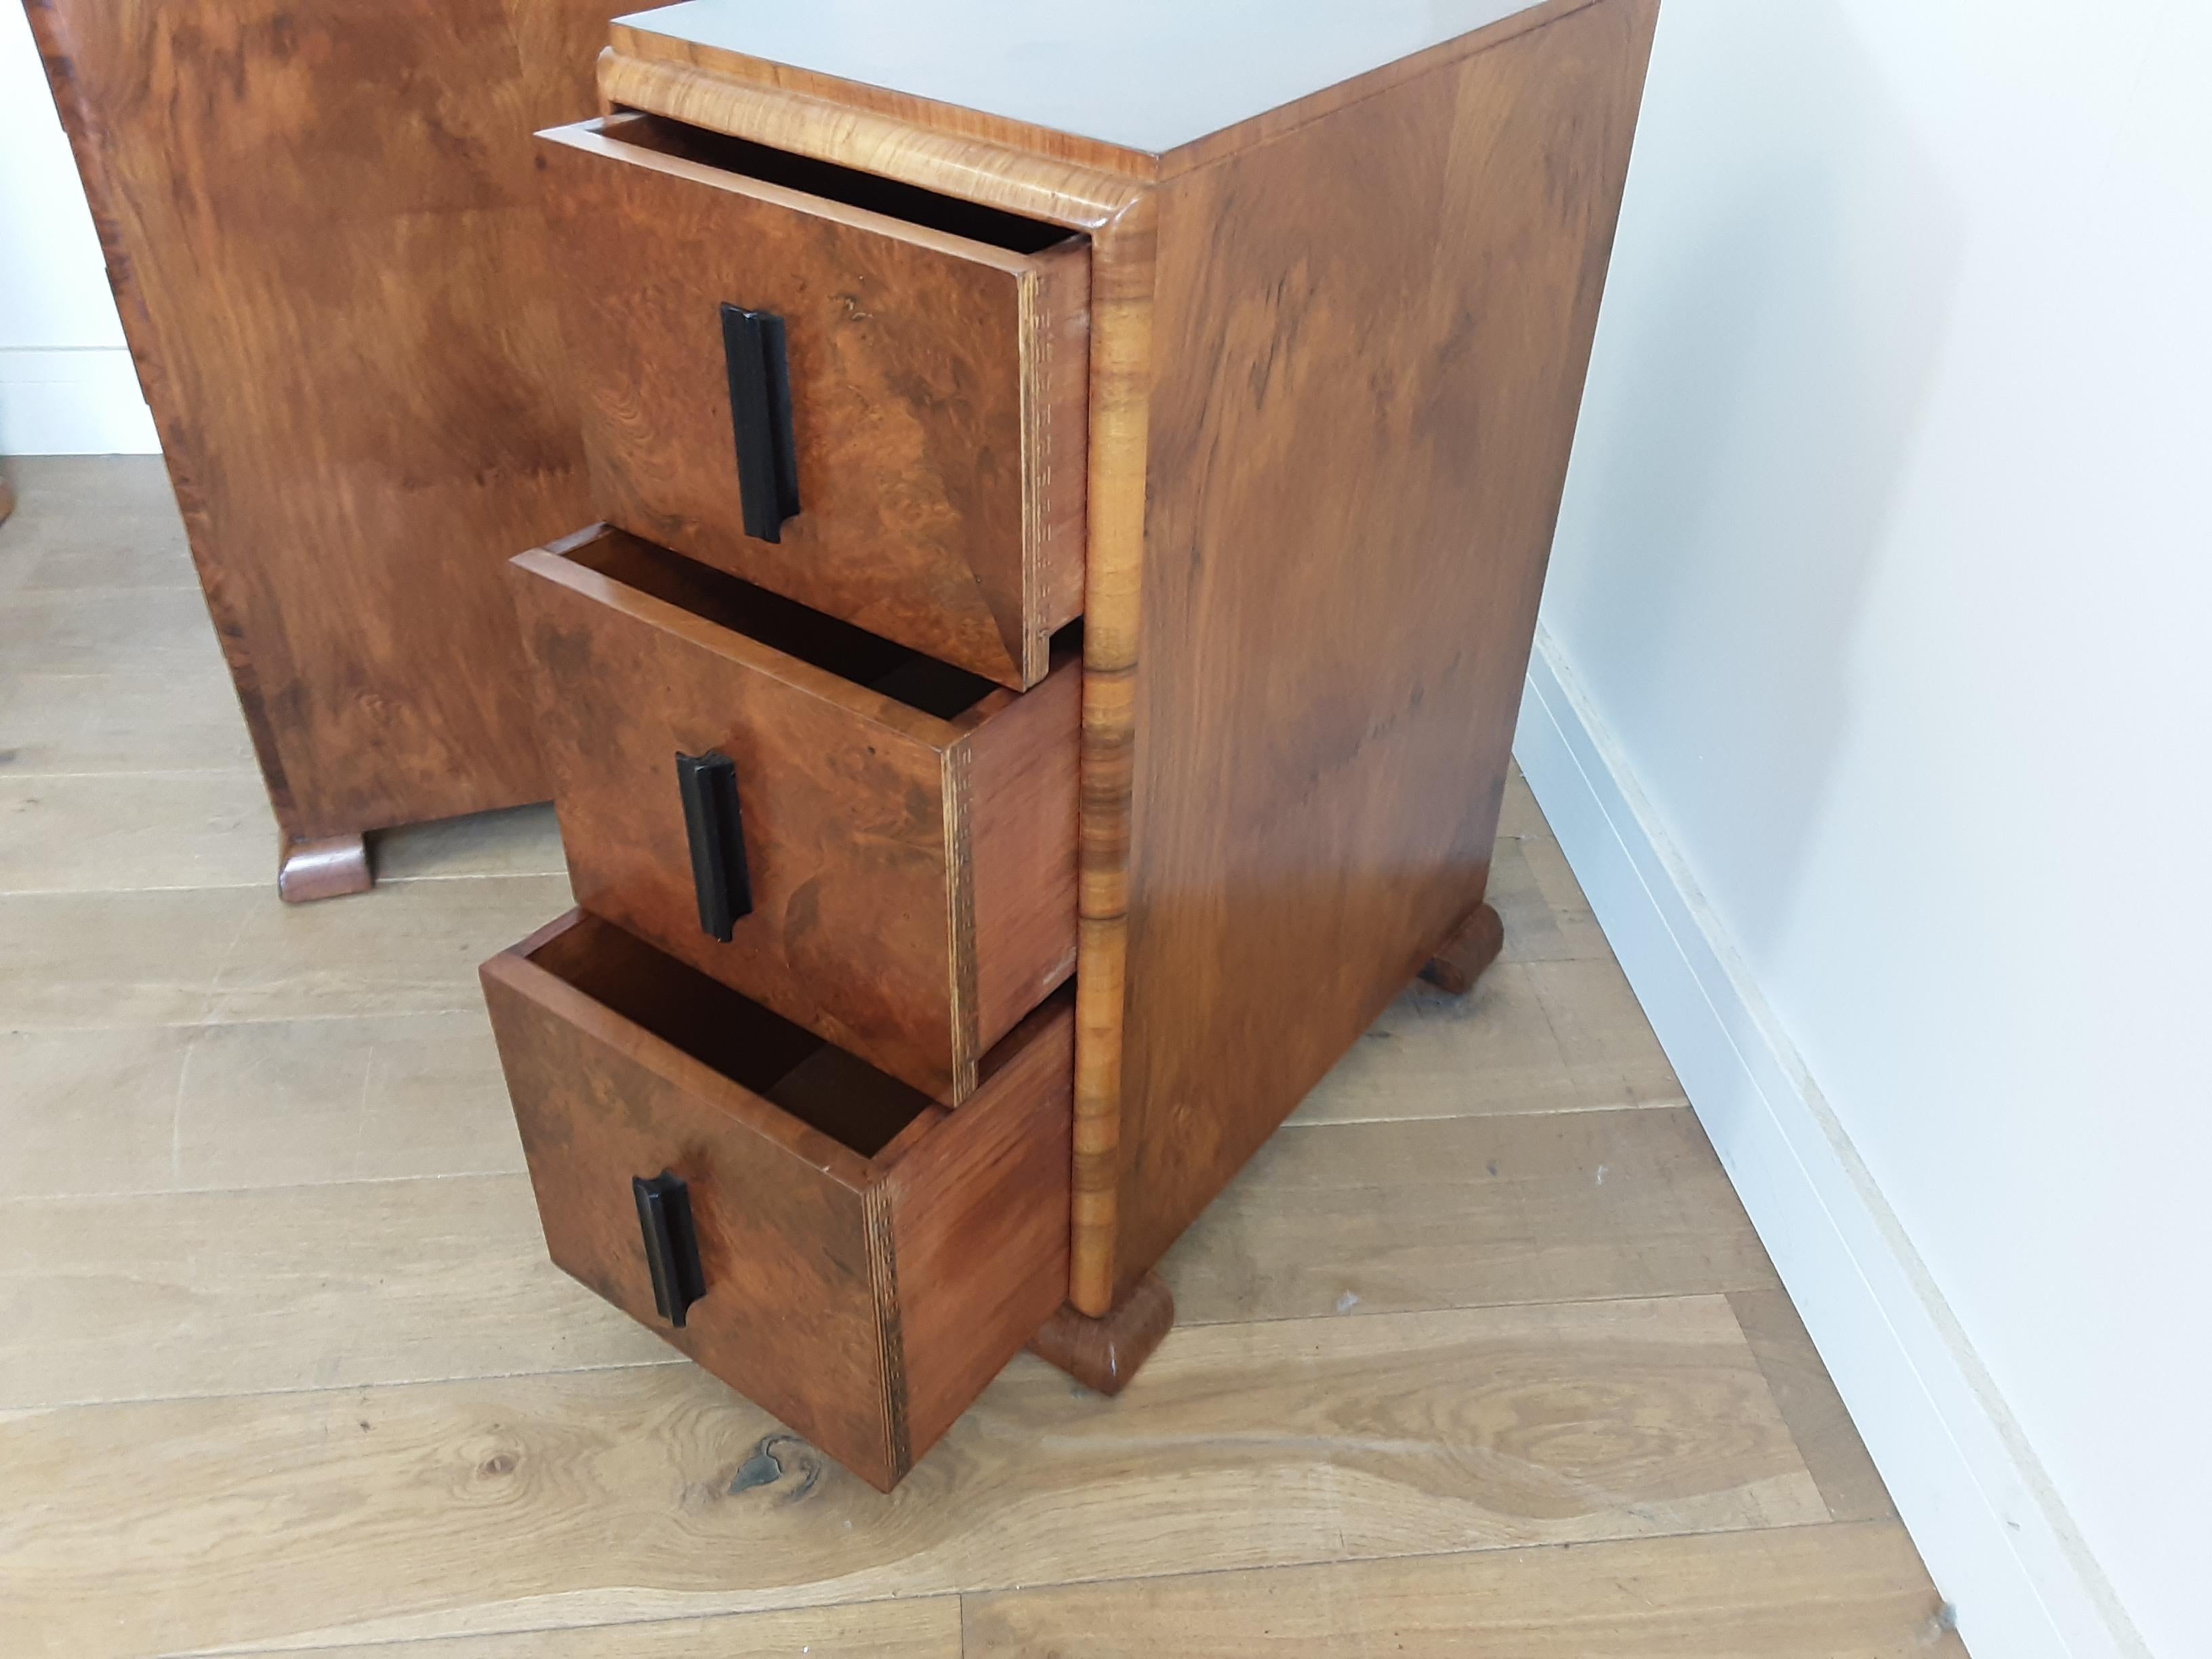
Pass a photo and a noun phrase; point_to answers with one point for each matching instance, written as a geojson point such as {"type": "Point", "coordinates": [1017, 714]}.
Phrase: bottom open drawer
{"type": "Point", "coordinates": [825, 1239]}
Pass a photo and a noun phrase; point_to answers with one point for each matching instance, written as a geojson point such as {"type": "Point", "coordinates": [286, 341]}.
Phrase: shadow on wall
{"type": "Point", "coordinates": [1780, 288]}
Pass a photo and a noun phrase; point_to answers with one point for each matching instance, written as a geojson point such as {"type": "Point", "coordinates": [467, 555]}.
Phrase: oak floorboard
{"type": "Point", "coordinates": [191, 956]}
{"type": "Point", "coordinates": [292, 1287]}
{"type": "Point", "coordinates": [1817, 1593]}
{"type": "Point", "coordinates": [1518, 815]}
{"type": "Point", "coordinates": [1532, 1037]}
{"type": "Point", "coordinates": [522, 841]}
{"type": "Point", "coordinates": [914, 1628]}
{"type": "Point", "coordinates": [1850, 1484]}
{"type": "Point", "coordinates": [135, 537]}
{"type": "Point", "coordinates": [95, 832]}
{"type": "Point", "coordinates": [205, 1275]}
{"type": "Point", "coordinates": [1374, 1218]}
{"type": "Point", "coordinates": [583, 1497]}
{"type": "Point", "coordinates": [105, 832]}
{"type": "Point", "coordinates": [1546, 920]}
{"type": "Point", "coordinates": [96, 630]}
{"type": "Point", "coordinates": [124, 720]}
{"type": "Point", "coordinates": [264, 1103]}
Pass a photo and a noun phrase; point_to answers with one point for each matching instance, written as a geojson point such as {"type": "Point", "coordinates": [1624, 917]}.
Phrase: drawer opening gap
{"type": "Point", "coordinates": [815, 1081]}
{"type": "Point", "coordinates": [971, 221]}
{"type": "Point", "coordinates": [852, 654]}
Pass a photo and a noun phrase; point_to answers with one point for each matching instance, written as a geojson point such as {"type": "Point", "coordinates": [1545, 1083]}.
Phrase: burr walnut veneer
{"type": "Point", "coordinates": [323, 232]}
{"type": "Point", "coordinates": [1077, 493]}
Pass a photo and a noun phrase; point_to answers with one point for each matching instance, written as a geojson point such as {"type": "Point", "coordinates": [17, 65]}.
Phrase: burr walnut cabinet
{"type": "Point", "coordinates": [323, 234]}
{"type": "Point", "coordinates": [1075, 486]}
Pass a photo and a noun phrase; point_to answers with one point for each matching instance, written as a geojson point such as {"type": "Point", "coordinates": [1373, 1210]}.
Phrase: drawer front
{"type": "Point", "coordinates": [856, 1259]}
{"type": "Point", "coordinates": [914, 398]}
{"type": "Point", "coordinates": [900, 881]}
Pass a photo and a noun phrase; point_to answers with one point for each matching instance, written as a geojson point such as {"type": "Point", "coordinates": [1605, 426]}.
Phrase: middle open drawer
{"type": "Point", "coordinates": [879, 847]}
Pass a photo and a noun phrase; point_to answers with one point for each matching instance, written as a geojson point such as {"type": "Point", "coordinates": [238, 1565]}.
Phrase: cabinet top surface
{"type": "Point", "coordinates": [1145, 74]}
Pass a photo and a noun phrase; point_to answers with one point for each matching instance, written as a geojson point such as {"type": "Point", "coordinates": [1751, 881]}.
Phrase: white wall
{"type": "Point", "coordinates": [1873, 696]}
{"type": "Point", "coordinates": [66, 384]}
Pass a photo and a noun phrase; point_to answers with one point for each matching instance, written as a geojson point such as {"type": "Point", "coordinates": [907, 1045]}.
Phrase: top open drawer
{"type": "Point", "coordinates": [864, 395]}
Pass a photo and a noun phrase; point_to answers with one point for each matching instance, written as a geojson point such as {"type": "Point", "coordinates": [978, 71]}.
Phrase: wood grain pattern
{"type": "Point", "coordinates": [321, 227]}
{"type": "Point", "coordinates": [1850, 1484]}
{"type": "Point", "coordinates": [1856, 1593]}
{"type": "Point", "coordinates": [910, 1627]}
{"type": "Point", "coordinates": [839, 1254]}
{"type": "Point", "coordinates": [1122, 219]}
{"type": "Point", "coordinates": [344, 1285]}
{"type": "Point", "coordinates": [582, 1513]}
{"type": "Point", "coordinates": [1105, 1354]}
{"type": "Point", "coordinates": [1121, 371]}
{"type": "Point", "coordinates": [639, 42]}
{"type": "Point", "coordinates": [912, 867]}
{"type": "Point", "coordinates": [1354, 1219]}
{"type": "Point", "coordinates": [637, 1488]}
{"type": "Point", "coordinates": [1035, 186]}
{"type": "Point", "coordinates": [368, 1279]}
{"type": "Point", "coordinates": [268, 1103]}
{"type": "Point", "coordinates": [1359, 468]}
{"type": "Point", "coordinates": [979, 1224]}
{"type": "Point", "coordinates": [938, 357]}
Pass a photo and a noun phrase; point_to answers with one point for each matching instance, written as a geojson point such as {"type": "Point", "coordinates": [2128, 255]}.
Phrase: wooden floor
{"type": "Point", "coordinates": [1480, 1357]}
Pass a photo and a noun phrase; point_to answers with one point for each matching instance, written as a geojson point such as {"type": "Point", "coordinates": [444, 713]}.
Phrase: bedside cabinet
{"type": "Point", "coordinates": [1075, 492]}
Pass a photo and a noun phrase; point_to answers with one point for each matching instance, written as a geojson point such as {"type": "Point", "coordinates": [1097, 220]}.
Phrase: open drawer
{"type": "Point", "coordinates": [882, 847]}
{"type": "Point", "coordinates": [859, 394]}
{"type": "Point", "coordinates": [832, 1244]}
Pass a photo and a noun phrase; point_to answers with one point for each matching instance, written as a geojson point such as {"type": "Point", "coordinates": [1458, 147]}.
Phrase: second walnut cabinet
{"type": "Point", "coordinates": [1075, 507]}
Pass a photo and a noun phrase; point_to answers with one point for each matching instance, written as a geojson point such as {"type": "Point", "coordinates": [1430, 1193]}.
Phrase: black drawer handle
{"type": "Point", "coordinates": [760, 410]}
{"type": "Point", "coordinates": [717, 829]}
{"type": "Point", "coordinates": [671, 1244]}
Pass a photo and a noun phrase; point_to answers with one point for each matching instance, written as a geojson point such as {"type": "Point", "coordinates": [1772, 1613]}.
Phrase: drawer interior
{"type": "Point", "coordinates": [907, 828]}
{"type": "Point", "coordinates": [971, 221]}
{"type": "Point", "coordinates": [815, 1082]}
{"type": "Point", "coordinates": [859, 1259]}
{"type": "Point", "coordinates": [852, 654]}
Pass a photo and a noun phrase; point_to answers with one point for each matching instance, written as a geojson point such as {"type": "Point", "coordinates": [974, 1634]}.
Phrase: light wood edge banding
{"type": "Point", "coordinates": [1120, 391]}
{"type": "Point", "coordinates": [1037, 187]}
{"type": "Point", "coordinates": [960, 918]}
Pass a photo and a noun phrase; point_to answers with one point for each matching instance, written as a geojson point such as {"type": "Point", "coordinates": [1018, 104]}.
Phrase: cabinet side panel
{"type": "Point", "coordinates": [1371, 335]}
{"type": "Point", "coordinates": [322, 227]}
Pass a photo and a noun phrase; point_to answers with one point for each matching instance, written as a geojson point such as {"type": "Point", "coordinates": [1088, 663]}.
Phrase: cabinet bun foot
{"type": "Point", "coordinates": [1105, 1353]}
{"type": "Point", "coordinates": [328, 868]}
{"type": "Point", "coordinates": [1472, 948]}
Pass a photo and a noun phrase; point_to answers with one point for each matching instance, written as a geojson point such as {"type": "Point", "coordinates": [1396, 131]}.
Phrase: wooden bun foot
{"type": "Point", "coordinates": [1104, 1353]}
{"type": "Point", "coordinates": [329, 868]}
{"type": "Point", "coordinates": [1473, 947]}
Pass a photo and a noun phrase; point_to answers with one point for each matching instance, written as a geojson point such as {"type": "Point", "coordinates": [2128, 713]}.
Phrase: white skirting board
{"type": "Point", "coordinates": [1994, 1536]}
{"type": "Point", "coordinates": [82, 402]}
